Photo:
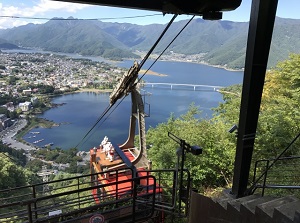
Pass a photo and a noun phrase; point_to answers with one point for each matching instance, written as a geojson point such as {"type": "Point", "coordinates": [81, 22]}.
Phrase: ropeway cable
{"type": "Point", "coordinates": [79, 19]}
{"type": "Point", "coordinates": [122, 99]}
{"type": "Point", "coordinates": [98, 120]}
{"type": "Point", "coordinates": [150, 66]}
{"type": "Point", "coordinates": [166, 48]}
{"type": "Point", "coordinates": [157, 41]}
{"type": "Point", "coordinates": [142, 62]}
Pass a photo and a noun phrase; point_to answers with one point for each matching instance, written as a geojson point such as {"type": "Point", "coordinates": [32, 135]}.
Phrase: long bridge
{"type": "Point", "coordinates": [193, 86]}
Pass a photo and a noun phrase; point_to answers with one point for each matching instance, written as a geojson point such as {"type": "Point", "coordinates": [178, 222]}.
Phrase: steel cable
{"type": "Point", "coordinates": [141, 64]}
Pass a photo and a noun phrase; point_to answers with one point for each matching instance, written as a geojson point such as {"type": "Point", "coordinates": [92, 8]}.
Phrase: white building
{"type": "Point", "coordinates": [25, 106]}
{"type": "Point", "coordinates": [27, 92]}
{"type": "Point", "coordinates": [34, 100]}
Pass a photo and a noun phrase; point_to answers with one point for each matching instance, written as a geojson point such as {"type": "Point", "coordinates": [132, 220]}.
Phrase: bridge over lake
{"type": "Point", "coordinates": [176, 86]}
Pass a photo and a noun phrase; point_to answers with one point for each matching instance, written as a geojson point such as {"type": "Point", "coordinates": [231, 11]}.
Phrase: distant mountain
{"type": "Point", "coordinates": [5, 45]}
{"type": "Point", "coordinates": [221, 42]}
{"type": "Point", "coordinates": [70, 36]}
{"type": "Point", "coordinates": [286, 40]}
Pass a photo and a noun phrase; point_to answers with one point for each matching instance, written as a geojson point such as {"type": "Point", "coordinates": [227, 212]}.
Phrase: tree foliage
{"type": "Point", "coordinates": [280, 116]}
{"type": "Point", "coordinates": [13, 175]}
{"type": "Point", "coordinates": [279, 113]}
{"type": "Point", "coordinates": [58, 155]}
{"type": "Point", "coordinates": [16, 154]}
{"type": "Point", "coordinates": [10, 98]}
{"type": "Point", "coordinates": [213, 167]}
{"type": "Point", "coordinates": [35, 165]}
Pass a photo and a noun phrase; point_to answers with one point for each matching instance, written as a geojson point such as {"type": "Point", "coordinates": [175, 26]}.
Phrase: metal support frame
{"type": "Point", "coordinates": [210, 9]}
{"type": "Point", "coordinates": [184, 148]}
{"type": "Point", "coordinates": [261, 26]}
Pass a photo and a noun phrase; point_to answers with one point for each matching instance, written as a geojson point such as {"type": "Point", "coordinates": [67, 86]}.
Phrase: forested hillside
{"type": "Point", "coordinates": [12, 171]}
{"type": "Point", "coordinates": [219, 42]}
{"type": "Point", "coordinates": [69, 36]}
{"type": "Point", "coordinates": [279, 123]}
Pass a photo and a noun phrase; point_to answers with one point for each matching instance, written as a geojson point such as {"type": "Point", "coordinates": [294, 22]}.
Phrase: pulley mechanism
{"type": "Point", "coordinates": [126, 84]}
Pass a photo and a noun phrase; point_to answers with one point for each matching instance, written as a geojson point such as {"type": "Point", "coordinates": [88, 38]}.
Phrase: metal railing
{"type": "Point", "coordinates": [117, 195]}
{"type": "Point", "coordinates": [69, 200]}
{"type": "Point", "coordinates": [275, 173]}
{"type": "Point", "coordinates": [169, 199]}
{"type": "Point", "coordinates": [283, 176]}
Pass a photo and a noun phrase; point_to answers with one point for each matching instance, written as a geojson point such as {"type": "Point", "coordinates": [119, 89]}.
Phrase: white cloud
{"type": "Point", "coordinates": [47, 6]}
{"type": "Point", "coordinates": [41, 8]}
{"type": "Point", "coordinates": [9, 23]}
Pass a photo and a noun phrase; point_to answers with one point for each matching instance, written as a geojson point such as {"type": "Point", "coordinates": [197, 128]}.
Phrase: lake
{"type": "Point", "coordinates": [81, 110]}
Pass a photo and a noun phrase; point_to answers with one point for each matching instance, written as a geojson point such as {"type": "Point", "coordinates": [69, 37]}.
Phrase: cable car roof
{"type": "Point", "coordinates": [209, 9]}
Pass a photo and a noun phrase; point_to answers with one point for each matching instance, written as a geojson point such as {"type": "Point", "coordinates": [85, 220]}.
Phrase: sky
{"type": "Point", "coordinates": [48, 9]}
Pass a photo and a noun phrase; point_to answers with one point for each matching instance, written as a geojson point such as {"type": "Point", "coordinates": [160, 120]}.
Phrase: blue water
{"type": "Point", "coordinates": [82, 110]}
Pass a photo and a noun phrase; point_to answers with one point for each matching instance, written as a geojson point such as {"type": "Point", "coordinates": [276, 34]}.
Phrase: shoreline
{"type": "Point", "coordinates": [151, 72]}
{"type": "Point", "coordinates": [221, 67]}
{"type": "Point", "coordinates": [93, 90]}
{"type": "Point", "coordinates": [153, 57]}
{"type": "Point", "coordinates": [193, 58]}
{"type": "Point", "coordinates": [203, 63]}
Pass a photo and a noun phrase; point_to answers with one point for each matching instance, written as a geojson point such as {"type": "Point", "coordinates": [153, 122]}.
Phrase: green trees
{"type": "Point", "coordinates": [12, 171]}
{"type": "Point", "coordinates": [280, 115]}
{"type": "Point", "coordinates": [213, 167]}
{"type": "Point", "coordinates": [45, 89]}
{"type": "Point", "coordinates": [16, 154]}
{"type": "Point", "coordinates": [13, 175]}
{"type": "Point", "coordinates": [12, 80]}
{"type": "Point", "coordinates": [58, 155]}
{"type": "Point", "coordinates": [35, 165]}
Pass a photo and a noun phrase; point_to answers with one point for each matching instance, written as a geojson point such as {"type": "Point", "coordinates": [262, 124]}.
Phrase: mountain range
{"type": "Point", "coordinates": [219, 42]}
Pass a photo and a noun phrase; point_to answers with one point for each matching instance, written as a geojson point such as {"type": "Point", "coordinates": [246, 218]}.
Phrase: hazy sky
{"type": "Point", "coordinates": [50, 9]}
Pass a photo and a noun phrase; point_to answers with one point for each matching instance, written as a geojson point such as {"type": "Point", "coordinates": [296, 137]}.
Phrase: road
{"type": "Point", "coordinates": [7, 136]}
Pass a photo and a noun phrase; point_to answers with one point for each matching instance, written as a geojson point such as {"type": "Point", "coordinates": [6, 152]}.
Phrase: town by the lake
{"type": "Point", "coordinates": [29, 81]}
